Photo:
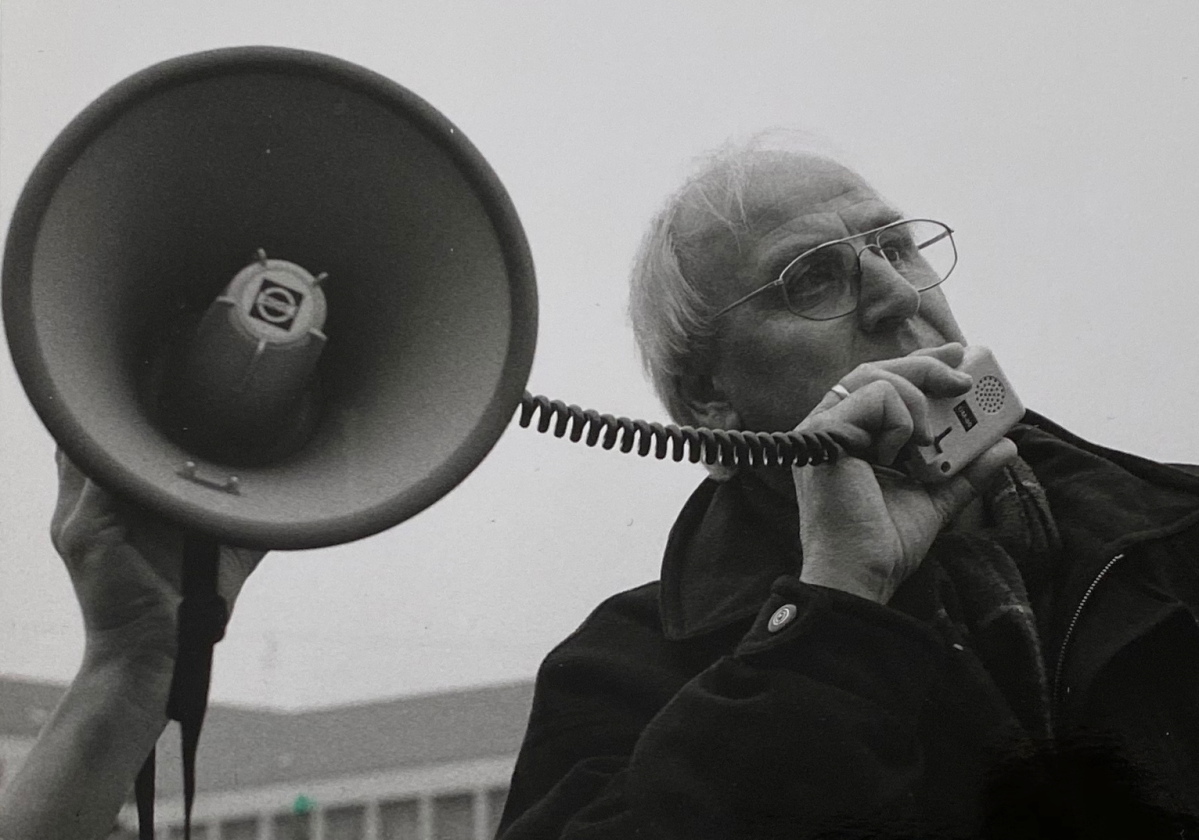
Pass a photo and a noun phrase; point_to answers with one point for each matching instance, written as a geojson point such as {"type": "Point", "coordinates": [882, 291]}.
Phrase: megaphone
{"type": "Point", "coordinates": [273, 179]}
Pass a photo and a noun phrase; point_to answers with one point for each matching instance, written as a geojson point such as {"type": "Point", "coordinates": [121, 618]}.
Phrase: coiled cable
{"type": "Point", "coordinates": [712, 446]}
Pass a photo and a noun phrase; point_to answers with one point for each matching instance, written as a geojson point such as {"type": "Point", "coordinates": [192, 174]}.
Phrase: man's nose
{"type": "Point", "coordinates": [886, 299]}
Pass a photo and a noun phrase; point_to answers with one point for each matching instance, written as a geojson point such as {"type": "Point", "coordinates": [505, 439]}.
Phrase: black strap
{"type": "Point", "coordinates": [143, 789]}
{"type": "Point", "coordinates": [202, 616]}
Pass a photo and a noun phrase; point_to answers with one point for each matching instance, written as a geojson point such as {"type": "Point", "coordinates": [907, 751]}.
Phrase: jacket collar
{"type": "Point", "coordinates": [730, 542]}
{"type": "Point", "coordinates": [1105, 500]}
{"type": "Point", "coordinates": [733, 539]}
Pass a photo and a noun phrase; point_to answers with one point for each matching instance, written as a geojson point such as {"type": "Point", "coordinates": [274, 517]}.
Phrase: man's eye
{"type": "Point", "coordinates": [814, 278]}
{"type": "Point", "coordinates": [897, 247]}
{"type": "Point", "coordinates": [821, 277]}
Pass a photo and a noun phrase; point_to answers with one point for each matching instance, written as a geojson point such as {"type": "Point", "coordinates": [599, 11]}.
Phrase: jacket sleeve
{"type": "Point", "coordinates": [807, 721]}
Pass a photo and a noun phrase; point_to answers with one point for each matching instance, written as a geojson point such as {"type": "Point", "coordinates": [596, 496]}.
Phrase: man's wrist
{"type": "Point", "coordinates": [141, 679]}
{"type": "Point", "coordinates": [137, 659]}
{"type": "Point", "coordinates": [836, 576]}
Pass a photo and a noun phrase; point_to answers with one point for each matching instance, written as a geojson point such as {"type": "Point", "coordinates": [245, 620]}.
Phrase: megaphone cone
{"type": "Point", "coordinates": [164, 190]}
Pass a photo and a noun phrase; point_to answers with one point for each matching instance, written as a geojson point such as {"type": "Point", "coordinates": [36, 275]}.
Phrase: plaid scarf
{"type": "Point", "coordinates": [983, 585]}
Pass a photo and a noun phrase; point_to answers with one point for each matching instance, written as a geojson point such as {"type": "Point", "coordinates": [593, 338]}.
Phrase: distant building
{"type": "Point", "coordinates": [432, 767]}
{"type": "Point", "coordinates": [24, 706]}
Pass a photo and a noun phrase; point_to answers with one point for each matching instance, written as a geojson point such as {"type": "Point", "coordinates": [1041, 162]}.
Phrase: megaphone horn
{"type": "Point", "coordinates": [233, 179]}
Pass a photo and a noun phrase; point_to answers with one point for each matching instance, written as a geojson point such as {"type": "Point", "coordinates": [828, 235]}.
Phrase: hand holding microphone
{"type": "Point", "coordinates": [864, 530]}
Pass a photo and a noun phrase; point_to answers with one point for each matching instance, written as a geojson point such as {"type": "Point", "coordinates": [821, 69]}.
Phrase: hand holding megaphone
{"type": "Point", "coordinates": [157, 196]}
{"type": "Point", "coordinates": [126, 567]}
{"type": "Point", "coordinates": [232, 418]}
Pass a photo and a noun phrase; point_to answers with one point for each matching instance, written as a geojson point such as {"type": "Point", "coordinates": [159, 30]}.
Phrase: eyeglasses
{"type": "Point", "coordinates": [825, 282]}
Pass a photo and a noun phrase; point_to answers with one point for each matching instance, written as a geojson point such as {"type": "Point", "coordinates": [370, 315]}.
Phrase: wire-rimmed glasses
{"type": "Point", "coordinates": [824, 282]}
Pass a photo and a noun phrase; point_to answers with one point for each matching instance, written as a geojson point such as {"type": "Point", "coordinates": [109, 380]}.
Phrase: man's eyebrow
{"type": "Point", "coordinates": [779, 257]}
{"type": "Point", "coordinates": [881, 217]}
{"type": "Point", "coordinates": [885, 217]}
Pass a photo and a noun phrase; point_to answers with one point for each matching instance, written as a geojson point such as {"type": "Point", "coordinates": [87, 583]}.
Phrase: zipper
{"type": "Point", "coordinates": [1061, 656]}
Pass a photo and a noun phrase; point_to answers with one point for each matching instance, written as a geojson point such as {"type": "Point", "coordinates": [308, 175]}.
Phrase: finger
{"type": "Point", "coordinates": [952, 354]}
{"type": "Point", "coordinates": [70, 479]}
{"type": "Point", "coordinates": [929, 373]}
{"type": "Point", "coordinates": [916, 403]}
{"type": "Point", "coordinates": [873, 422]}
{"type": "Point", "coordinates": [94, 518]}
{"type": "Point", "coordinates": [82, 511]}
{"type": "Point", "coordinates": [830, 399]}
{"type": "Point", "coordinates": [898, 422]}
{"type": "Point", "coordinates": [974, 480]}
{"type": "Point", "coordinates": [913, 398]}
{"type": "Point", "coordinates": [919, 373]}
{"type": "Point", "coordinates": [70, 486]}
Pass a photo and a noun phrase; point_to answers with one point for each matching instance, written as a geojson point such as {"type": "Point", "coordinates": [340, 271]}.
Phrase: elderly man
{"type": "Point", "coordinates": [839, 650]}
{"type": "Point", "coordinates": [833, 651]}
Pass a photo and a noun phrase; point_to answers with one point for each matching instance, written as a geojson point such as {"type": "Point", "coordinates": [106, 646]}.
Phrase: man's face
{"type": "Point", "coordinates": [773, 366]}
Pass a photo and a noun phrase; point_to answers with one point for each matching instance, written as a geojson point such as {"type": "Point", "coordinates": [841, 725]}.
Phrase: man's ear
{"type": "Point", "coordinates": [707, 402]}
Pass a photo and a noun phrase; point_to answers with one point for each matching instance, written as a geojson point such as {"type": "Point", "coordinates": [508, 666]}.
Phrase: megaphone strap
{"type": "Point", "coordinates": [143, 791]}
{"type": "Point", "coordinates": [202, 617]}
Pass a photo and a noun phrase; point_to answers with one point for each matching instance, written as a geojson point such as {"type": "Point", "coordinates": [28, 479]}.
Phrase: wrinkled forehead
{"type": "Point", "coordinates": [810, 193]}
{"type": "Point", "coordinates": [775, 203]}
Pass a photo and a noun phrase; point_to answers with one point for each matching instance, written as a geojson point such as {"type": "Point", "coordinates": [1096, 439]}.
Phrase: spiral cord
{"type": "Point", "coordinates": [711, 446]}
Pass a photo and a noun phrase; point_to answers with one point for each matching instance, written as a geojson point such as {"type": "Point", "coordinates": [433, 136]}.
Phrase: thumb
{"type": "Point", "coordinates": [972, 481]}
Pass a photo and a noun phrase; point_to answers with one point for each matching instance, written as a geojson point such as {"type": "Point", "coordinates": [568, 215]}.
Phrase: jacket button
{"type": "Point", "coordinates": [781, 618]}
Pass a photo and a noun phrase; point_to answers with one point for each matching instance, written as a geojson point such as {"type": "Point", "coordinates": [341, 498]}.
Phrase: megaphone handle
{"type": "Point", "coordinates": [202, 616]}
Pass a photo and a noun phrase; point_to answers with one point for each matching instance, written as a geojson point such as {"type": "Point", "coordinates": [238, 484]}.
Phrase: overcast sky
{"type": "Point", "coordinates": [1059, 140]}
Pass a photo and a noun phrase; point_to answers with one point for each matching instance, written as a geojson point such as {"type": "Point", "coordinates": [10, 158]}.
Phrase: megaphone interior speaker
{"type": "Point", "coordinates": [162, 190]}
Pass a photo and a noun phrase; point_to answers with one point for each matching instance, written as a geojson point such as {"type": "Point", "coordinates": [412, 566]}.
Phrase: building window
{"type": "Point", "coordinates": [346, 823]}
{"type": "Point", "coordinates": [399, 821]}
{"type": "Point", "coordinates": [496, 797]}
{"type": "Point", "coordinates": [246, 829]}
{"type": "Point", "coordinates": [292, 826]}
{"type": "Point", "coordinates": [454, 817]}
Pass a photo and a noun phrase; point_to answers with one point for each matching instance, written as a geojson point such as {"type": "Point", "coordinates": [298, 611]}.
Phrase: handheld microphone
{"type": "Point", "coordinates": [965, 426]}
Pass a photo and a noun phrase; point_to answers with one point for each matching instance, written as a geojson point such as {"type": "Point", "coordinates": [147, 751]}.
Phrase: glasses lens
{"type": "Point", "coordinates": [822, 284]}
{"type": "Point", "coordinates": [921, 251]}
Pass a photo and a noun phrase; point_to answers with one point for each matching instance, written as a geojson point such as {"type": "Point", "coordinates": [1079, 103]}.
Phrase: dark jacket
{"type": "Point", "coordinates": [676, 711]}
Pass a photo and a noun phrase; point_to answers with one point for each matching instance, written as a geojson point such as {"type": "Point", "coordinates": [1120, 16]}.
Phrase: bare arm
{"type": "Point", "coordinates": [125, 568]}
{"type": "Point", "coordinates": [82, 767]}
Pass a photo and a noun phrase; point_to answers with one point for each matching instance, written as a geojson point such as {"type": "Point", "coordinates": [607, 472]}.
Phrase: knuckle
{"type": "Point", "coordinates": [56, 540]}
{"type": "Point", "coordinates": [881, 388]}
{"type": "Point", "coordinates": [868, 370]}
{"type": "Point", "coordinates": [66, 538]}
{"type": "Point", "coordinates": [814, 422]}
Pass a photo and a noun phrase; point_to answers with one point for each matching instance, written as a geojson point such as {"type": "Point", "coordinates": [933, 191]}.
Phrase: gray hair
{"type": "Point", "coordinates": [672, 312]}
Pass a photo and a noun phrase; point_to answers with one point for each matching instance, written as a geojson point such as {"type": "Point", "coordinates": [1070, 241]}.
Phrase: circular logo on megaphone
{"type": "Point", "coordinates": [277, 304]}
